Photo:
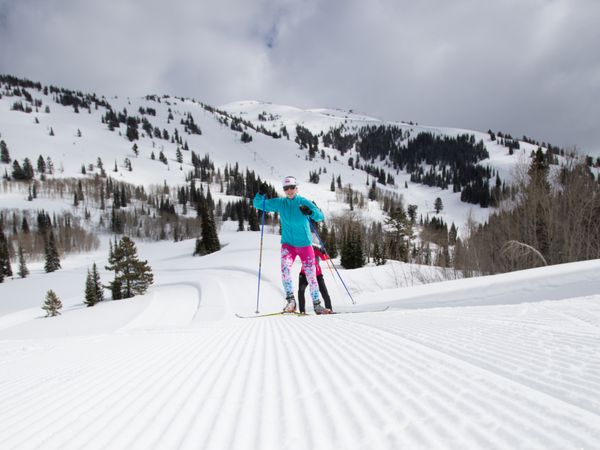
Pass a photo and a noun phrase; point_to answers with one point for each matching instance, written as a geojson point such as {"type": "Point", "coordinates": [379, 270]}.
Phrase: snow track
{"type": "Point", "coordinates": [517, 376]}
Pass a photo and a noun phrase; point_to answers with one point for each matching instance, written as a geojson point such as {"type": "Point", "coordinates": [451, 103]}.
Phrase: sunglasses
{"type": "Point", "coordinates": [289, 188]}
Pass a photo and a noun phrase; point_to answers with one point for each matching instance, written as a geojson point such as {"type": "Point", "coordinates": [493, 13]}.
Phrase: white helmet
{"type": "Point", "coordinates": [289, 181]}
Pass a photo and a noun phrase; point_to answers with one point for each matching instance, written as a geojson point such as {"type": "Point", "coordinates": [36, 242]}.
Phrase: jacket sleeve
{"type": "Point", "coordinates": [271, 204]}
{"type": "Point", "coordinates": [317, 215]}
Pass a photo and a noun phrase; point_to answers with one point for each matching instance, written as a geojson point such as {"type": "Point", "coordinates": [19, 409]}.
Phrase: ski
{"type": "Point", "coordinates": [280, 313]}
{"type": "Point", "coordinates": [385, 308]}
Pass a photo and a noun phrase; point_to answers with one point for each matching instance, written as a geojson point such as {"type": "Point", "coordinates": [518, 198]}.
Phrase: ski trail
{"type": "Point", "coordinates": [586, 422]}
{"type": "Point", "coordinates": [445, 378]}
{"type": "Point", "coordinates": [170, 306]}
{"type": "Point", "coordinates": [518, 353]}
{"type": "Point", "coordinates": [195, 392]}
{"type": "Point", "coordinates": [70, 395]}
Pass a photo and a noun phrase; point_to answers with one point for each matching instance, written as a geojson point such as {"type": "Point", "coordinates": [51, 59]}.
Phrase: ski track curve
{"type": "Point", "coordinates": [435, 378]}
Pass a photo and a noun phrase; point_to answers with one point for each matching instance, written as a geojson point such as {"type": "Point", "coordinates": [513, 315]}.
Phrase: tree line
{"type": "Point", "coordinates": [554, 219]}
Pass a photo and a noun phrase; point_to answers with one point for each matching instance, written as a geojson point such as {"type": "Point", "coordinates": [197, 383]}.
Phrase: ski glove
{"type": "Point", "coordinates": [305, 210]}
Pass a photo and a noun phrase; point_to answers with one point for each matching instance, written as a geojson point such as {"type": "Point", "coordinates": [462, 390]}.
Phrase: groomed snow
{"type": "Point", "coordinates": [510, 361]}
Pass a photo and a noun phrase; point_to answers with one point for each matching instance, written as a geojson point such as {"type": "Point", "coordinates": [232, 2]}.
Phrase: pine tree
{"type": "Point", "coordinates": [5, 267]}
{"type": "Point", "coordinates": [52, 260]}
{"type": "Point", "coordinates": [132, 276]}
{"type": "Point", "coordinates": [352, 255]}
{"type": "Point", "coordinates": [97, 283]}
{"type": "Point", "coordinates": [94, 291]}
{"type": "Point", "coordinates": [90, 290]}
{"type": "Point", "coordinates": [378, 254]}
{"type": "Point", "coordinates": [4, 154]}
{"type": "Point", "coordinates": [253, 220]}
{"type": "Point", "coordinates": [210, 238]}
{"type": "Point", "coordinates": [52, 305]}
{"type": "Point", "coordinates": [17, 171]}
{"type": "Point", "coordinates": [23, 270]}
{"type": "Point", "coordinates": [438, 205]}
{"type": "Point", "coordinates": [113, 258]}
{"type": "Point", "coordinates": [41, 164]}
{"type": "Point", "coordinates": [452, 234]}
{"type": "Point", "coordinates": [399, 234]}
{"type": "Point", "coordinates": [27, 169]}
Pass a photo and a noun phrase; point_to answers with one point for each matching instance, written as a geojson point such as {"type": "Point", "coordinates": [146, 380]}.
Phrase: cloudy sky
{"type": "Point", "coordinates": [519, 66]}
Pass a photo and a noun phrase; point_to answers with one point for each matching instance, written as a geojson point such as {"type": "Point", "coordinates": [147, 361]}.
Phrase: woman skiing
{"type": "Point", "coordinates": [296, 239]}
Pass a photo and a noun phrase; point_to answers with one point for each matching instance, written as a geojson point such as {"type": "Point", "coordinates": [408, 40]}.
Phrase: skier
{"type": "Point", "coordinates": [320, 254]}
{"type": "Point", "coordinates": [296, 238]}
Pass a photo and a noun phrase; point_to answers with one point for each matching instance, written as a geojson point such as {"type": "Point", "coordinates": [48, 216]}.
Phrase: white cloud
{"type": "Point", "coordinates": [528, 66]}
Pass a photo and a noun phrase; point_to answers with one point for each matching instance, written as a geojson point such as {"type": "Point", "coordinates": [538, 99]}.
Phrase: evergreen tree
{"type": "Point", "coordinates": [452, 234]}
{"type": "Point", "coordinates": [378, 254]}
{"type": "Point", "coordinates": [210, 238]}
{"type": "Point", "coordinates": [5, 267]}
{"type": "Point", "coordinates": [41, 164]}
{"type": "Point", "coordinates": [253, 220]}
{"type": "Point", "coordinates": [17, 171]}
{"type": "Point", "coordinates": [52, 260]}
{"type": "Point", "coordinates": [352, 255]}
{"type": "Point", "coordinates": [438, 205]}
{"type": "Point", "coordinates": [115, 289]}
{"type": "Point", "coordinates": [97, 283]}
{"type": "Point", "coordinates": [4, 154]}
{"type": "Point", "coordinates": [411, 210]}
{"type": "Point", "coordinates": [132, 276]}
{"type": "Point", "coordinates": [90, 290]}
{"type": "Point", "coordinates": [372, 195]}
{"type": "Point", "coordinates": [27, 169]}
{"type": "Point", "coordinates": [52, 305]}
{"type": "Point", "coordinates": [94, 292]}
{"type": "Point", "coordinates": [23, 270]}
{"type": "Point", "coordinates": [399, 234]}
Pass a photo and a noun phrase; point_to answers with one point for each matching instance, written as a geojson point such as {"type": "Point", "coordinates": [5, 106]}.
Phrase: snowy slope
{"type": "Point", "coordinates": [509, 361]}
{"type": "Point", "coordinates": [272, 159]}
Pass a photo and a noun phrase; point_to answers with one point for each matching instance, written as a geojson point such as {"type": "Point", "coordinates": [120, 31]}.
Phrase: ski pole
{"type": "Point", "coordinates": [336, 271]}
{"type": "Point", "coordinates": [262, 230]}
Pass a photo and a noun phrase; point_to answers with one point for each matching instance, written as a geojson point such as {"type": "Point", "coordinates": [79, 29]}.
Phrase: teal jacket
{"type": "Point", "coordinates": [295, 230]}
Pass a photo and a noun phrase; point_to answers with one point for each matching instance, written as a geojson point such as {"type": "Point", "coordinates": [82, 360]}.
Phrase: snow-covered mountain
{"type": "Point", "coordinates": [74, 137]}
{"type": "Point", "coordinates": [506, 361]}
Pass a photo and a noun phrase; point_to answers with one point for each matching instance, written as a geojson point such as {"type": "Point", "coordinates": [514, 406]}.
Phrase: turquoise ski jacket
{"type": "Point", "coordinates": [295, 230]}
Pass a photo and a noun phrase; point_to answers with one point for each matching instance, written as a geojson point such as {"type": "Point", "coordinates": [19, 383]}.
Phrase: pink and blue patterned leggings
{"type": "Point", "coordinates": [307, 257]}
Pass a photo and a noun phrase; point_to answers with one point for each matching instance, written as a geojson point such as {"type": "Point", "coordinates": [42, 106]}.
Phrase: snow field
{"type": "Point", "coordinates": [491, 365]}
